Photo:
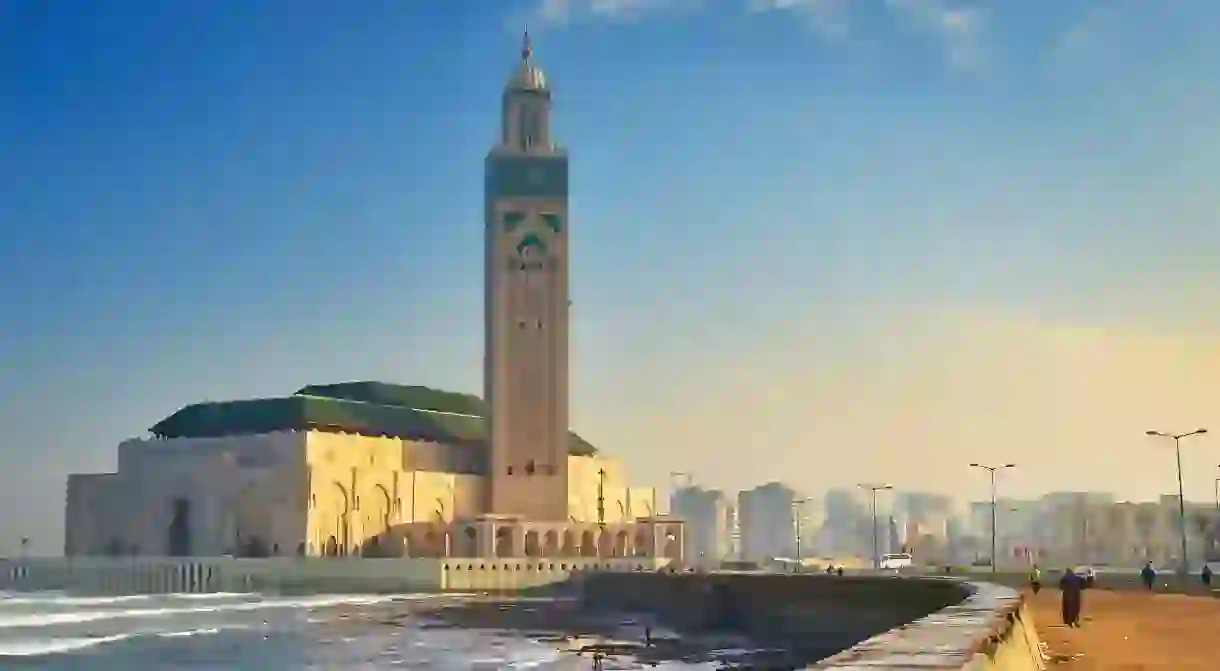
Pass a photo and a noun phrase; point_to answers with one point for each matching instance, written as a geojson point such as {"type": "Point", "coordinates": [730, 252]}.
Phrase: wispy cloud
{"type": "Point", "coordinates": [958, 25]}
{"type": "Point", "coordinates": [563, 12]}
{"type": "Point", "coordinates": [828, 18]}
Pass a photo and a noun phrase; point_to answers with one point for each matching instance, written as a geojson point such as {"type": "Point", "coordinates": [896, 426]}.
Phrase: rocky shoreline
{"type": "Point", "coordinates": [620, 637]}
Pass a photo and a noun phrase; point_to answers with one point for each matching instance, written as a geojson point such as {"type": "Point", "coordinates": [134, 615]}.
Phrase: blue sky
{"type": "Point", "coordinates": [794, 224]}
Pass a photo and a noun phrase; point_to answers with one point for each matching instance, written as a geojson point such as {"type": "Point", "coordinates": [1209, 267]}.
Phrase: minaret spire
{"type": "Point", "coordinates": [526, 49]}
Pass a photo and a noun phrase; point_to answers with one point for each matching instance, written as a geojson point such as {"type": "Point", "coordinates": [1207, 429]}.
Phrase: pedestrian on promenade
{"type": "Point", "coordinates": [1035, 580]}
{"type": "Point", "coordinates": [1207, 575]}
{"type": "Point", "coordinates": [1148, 575]}
{"type": "Point", "coordinates": [1072, 586]}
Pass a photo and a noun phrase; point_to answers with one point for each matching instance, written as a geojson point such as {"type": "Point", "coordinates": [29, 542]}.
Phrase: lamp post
{"type": "Point", "coordinates": [873, 489]}
{"type": "Point", "coordinates": [796, 524]}
{"type": "Point", "coordinates": [1215, 534]}
{"type": "Point", "coordinates": [1184, 566]}
{"type": "Point", "coordinates": [992, 471]}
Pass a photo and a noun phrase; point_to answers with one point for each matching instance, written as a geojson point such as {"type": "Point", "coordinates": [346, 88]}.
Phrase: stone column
{"type": "Point", "coordinates": [487, 539]}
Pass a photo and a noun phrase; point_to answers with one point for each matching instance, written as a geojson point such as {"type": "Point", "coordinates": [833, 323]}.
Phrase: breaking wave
{"type": "Point", "coordinates": [54, 631]}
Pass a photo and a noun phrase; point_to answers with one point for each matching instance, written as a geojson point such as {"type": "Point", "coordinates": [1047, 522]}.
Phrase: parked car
{"type": "Point", "coordinates": [896, 561]}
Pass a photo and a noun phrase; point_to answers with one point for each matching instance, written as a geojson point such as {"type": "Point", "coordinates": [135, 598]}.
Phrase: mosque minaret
{"type": "Point", "coordinates": [526, 304]}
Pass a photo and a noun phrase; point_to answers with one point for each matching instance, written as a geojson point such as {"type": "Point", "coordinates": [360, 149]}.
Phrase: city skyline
{"type": "Point", "coordinates": [892, 499]}
{"type": "Point", "coordinates": [983, 235]}
{"type": "Point", "coordinates": [774, 520]}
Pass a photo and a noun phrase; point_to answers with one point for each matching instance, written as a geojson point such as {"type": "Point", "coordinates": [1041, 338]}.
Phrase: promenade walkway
{"type": "Point", "coordinates": [1132, 631]}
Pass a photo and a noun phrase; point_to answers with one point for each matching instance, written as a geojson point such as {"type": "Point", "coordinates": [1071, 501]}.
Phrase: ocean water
{"type": "Point", "coordinates": [54, 631]}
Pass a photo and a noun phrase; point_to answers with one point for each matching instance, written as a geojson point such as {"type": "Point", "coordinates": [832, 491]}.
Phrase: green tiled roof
{"type": "Point", "coordinates": [366, 408]}
{"type": "Point", "coordinates": [384, 393]}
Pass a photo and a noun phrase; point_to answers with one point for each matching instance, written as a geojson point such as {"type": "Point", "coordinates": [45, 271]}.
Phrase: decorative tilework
{"type": "Point", "coordinates": [530, 240]}
{"type": "Point", "coordinates": [512, 220]}
{"type": "Point", "coordinates": [527, 176]}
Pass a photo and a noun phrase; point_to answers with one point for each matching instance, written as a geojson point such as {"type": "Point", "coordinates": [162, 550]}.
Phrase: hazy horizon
{"type": "Point", "coordinates": [815, 241]}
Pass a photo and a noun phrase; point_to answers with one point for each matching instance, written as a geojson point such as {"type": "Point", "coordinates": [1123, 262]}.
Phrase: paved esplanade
{"type": "Point", "coordinates": [1133, 630]}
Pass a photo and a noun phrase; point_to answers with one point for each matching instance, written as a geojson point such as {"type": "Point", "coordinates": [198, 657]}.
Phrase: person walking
{"type": "Point", "coordinates": [1035, 580]}
{"type": "Point", "coordinates": [1148, 576]}
{"type": "Point", "coordinates": [1072, 586]}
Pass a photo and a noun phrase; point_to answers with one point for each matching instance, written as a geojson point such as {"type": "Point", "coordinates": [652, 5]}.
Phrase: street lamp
{"type": "Point", "coordinates": [1215, 535]}
{"type": "Point", "coordinates": [873, 489]}
{"type": "Point", "coordinates": [1177, 448]}
{"type": "Point", "coordinates": [992, 471]}
{"type": "Point", "coordinates": [796, 523]}
{"type": "Point", "coordinates": [1217, 484]}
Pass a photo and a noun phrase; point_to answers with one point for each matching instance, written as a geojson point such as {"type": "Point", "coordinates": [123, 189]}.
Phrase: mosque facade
{"type": "Point", "coordinates": [385, 470]}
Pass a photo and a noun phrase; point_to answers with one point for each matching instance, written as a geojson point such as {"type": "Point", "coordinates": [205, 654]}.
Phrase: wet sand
{"type": "Point", "coordinates": [1132, 631]}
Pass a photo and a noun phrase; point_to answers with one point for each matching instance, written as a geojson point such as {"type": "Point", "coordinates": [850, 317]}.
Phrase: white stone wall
{"type": "Point", "coordinates": [291, 492]}
{"type": "Point", "coordinates": [238, 488]}
{"type": "Point", "coordinates": [103, 575]}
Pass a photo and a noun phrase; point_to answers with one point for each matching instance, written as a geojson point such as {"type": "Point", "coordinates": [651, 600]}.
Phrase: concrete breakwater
{"type": "Point", "coordinates": [826, 622]}
{"type": "Point", "coordinates": [841, 622]}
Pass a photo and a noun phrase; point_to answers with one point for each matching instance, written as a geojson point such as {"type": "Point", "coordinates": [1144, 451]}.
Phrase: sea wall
{"type": "Point", "coordinates": [846, 622]}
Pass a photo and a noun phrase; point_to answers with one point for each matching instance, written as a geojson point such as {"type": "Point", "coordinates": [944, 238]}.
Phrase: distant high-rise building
{"type": "Point", "coordinates": [709, 518]}
{"type": "Point", "coordinates": [733, 525]}
{"type": "Point", "coordinates": [811, 518]}
{"type": "Point", "coordinates": [766, 517]}
{"type": "Point", "coordinates": [848, 527]}
{"type": "Point", "coordinates": [921, 521]}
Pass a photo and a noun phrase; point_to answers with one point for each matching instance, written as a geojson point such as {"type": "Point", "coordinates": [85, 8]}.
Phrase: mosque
{"type": "Point", "coordinates": [385, 470]}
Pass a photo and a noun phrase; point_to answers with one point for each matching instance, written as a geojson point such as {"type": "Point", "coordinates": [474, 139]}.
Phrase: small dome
{"type": "Point", "coordinates": [528, 77]}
